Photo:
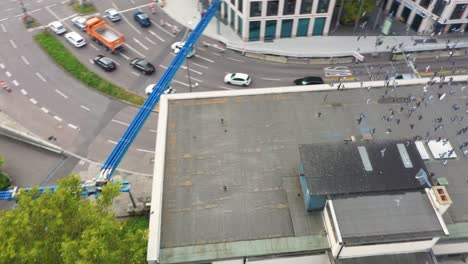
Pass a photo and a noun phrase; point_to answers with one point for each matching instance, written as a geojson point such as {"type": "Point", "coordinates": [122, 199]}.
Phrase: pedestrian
{"type": "Point", "coordinates": [411, 126]}
{"type": "Point", "coordinates": [420, 117]}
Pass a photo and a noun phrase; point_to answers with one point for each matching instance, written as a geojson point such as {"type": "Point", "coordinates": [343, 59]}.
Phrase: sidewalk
{"type": "Point", "coordinates": [330, 46]}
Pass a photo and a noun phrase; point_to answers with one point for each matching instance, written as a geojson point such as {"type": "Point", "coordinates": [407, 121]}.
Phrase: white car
{"type": "Point", "coordinates": [238, 79]}
{"type": "Point", "coordinates": [112, 14]}
{"type": "Point", "coordinates": [57, 27]}
{"type": "Point", "coordinates": [337, 71]}
{"type": "Point", "coordinates": [149, 90]}
{"type": "Point", "coordinates": [177, 46]}
{"type": "Point", "coordinates": [79, 22]}
{"type": "Point", "coordinates": [76, 39]}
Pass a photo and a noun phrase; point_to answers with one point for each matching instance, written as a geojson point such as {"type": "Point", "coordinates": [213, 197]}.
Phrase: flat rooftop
{"type": "Point", "coordinates": [413, 258]}
{"type": "Point", "coordinates": [231, 161]}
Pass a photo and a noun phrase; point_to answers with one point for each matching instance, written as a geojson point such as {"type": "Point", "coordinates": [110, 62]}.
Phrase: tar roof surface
{"type": "Point", "coordinates": [386, 218]}
{"type": "Point", "coordinates": [337, 168]}
{"type": "Point", "coordinates": [254, 153]}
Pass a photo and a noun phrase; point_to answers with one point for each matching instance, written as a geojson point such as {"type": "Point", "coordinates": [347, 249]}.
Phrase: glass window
{"type": "Point", "coordinates": [319, 24]}
{"type": "Point", "coordinates": [425, 3]}
{"type": "Point", "coordinates": [239, 25]}
{"type": "Point", "coordinates": [233, 2]}
{"type": "Point", "coordinates": [225, 13]}
{"type": "Point", "coordinates": [306, 6]}
{"type": "Point", "coordinates": [254, 30]}
{"type": "Point", "coordinates": [270, 29]}
{"type": "Point", "coordinates": [289, 7]}
{"type": "Point", "coordinates": [439, 7]}
{"type": "Point", "coordinates": [240, 5]}
{"type": "Point", "coordinates": [458, 11]}
{"type": "Point", "coordinates": [255, 9]}
{"type": "Point", "coordinates": [322, 6]}
{"type": "Point", "coordinates": [233, 18]}
{"type": "Point", "coordinates": [272, 7]}
{"type": "Point", "coordinates": [286, 28]}
{"type": "Point", "coordinates": [303, 27]}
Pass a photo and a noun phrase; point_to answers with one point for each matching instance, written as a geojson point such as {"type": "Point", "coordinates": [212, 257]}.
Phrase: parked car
{"type": "Point", "coordinates": [142, 19]}
{"type": "Point", "coordinates": [79, 22]}
{"type": "Point", "coordinates": [143, 66]}
{"type": "Point", "coordinates": [112, 14]}
{"type": "Point", "coordinates": [76, 39]}
{"type": "Point", "coordinates": [310, 80]}
{"type": "Point", "coordinates": [240, 79]}
{"type": "Point", "coordinates": [177, 46]}
{"type": "Point", "coordinates": [149, 89]}
{"type": "Point", "coordinates": [105, 62]}
{"type": "Point", "coordinates": [57, 27]}
{"type": "Point", "coordinates": [340, 71]}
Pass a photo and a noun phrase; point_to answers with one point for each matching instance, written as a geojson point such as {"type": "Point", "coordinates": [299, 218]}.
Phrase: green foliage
{"type": "Point", "coordinates": [61, 228]}
{"type": "Point", "coordinates": [351, 10]}
{"type": "Point", "coordinates": [86, 8]}
{"type": "Point", "coordinates": [4, 181]}
{"type": "Point", "coordinates": [73, 66]}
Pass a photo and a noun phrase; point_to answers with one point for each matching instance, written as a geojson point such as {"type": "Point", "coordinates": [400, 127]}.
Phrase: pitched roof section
{"type": "Point", "coordinates": [359, 167]}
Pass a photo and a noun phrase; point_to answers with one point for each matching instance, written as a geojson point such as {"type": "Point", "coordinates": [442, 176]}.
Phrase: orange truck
{"type": "Point", "coordinates": [103, 34]}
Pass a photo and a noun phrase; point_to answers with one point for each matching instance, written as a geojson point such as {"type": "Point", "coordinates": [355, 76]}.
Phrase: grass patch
{"type": "Point", "coordinates": [137, 223]}
{"type": "Point", "coordinates": [72, 65]}
{"type": "Point", "coordinates": [86, 8]}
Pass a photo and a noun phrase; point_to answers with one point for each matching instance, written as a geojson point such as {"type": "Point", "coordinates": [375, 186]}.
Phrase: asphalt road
{"type": "Point", "coordinates": [49, 102]}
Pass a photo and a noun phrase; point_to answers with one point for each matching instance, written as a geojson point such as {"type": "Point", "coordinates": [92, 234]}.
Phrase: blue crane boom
{"type": "Point", "coordinates": [130, 134]}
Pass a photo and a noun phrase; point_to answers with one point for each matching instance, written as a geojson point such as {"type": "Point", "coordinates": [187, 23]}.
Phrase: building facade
{"type": "Point", "coordinates": [427, 16]}
{"type": "Point", "coordinates": [265, 20]}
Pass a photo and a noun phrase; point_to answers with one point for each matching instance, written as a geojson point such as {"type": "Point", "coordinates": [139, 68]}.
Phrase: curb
{"type": "Point", "coordinates": [28, 139]}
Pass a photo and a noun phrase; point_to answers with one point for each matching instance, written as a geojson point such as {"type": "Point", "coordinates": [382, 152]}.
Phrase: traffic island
{"type": "Point", "coordinates": [84, 9]}
{"type": "Point", "coordinates": [72, 65]}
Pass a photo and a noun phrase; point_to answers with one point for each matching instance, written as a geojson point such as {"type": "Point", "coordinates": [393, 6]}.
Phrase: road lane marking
{"type": "Point", "coordinates": [201, 57]}
{"type": "Point", "coordinates": [144, 150]}
{"type": "Point", "coordinates": [194, 78]}
{"type": "Point", "coordinates": [3, 28]}
{"type": "Point", "coordinates": [201, 66]}
{"type": "Point", "coordinates": [201, 49]}
{"type": "Point", "coordinates": [156, 35]}
{"type": "Point", "coordinates": [123, 55]}
{"type": "Point", "coordinates": [3, 19]}
{"type": "Point", "coordinates": [15, 82]}
{"type": "Point", "coordinates": [149, 40]}
{"type": "Point", "coordinates": [185, 67]}
{"type": "Point", "coordinates": [134, 50]}
{"type": "Point", "coordinates": [120, 122]}
{"type": "Point", "coordinates": [136, 73]}
{"type": "Point", "coordinates": [94, 47]}
{"type": "Point", "coordinates": [62, 94]}
{"type": "Point", "coordinates": [32, 100]}
{"type": "Point", "coordinates": [226, 88]}
{"type": "Point", "coordinates": [85, 108]}
{"type": "Point", "coordinates": [154, 131]}
{"type": "Point", "coordinates": [45, 110]}
{"type": "Point", "coordinates": [91, 61]}
{"type": "Point", "coordinates": [162, 66]}
{"type": "Point", "coordinates": [52, 12]}
{"type": "Point", "coordinates": [179, 82]}
{"type": "Point", "coordinates": [8, 74]}
{"type": "Point", "coordinates": [58, 118]}
{"type": "Point", "coordinates": [270, 79]}
{"type": "Point", "coordinates": [141, 44]}
{"type": "Point", "coordinates": [112, 142]}
{"type": "Point", "coordinates": [35, 10]}
{"type": "Point", "coordinates": [229, 58]}
{"type": "Point", "coordinates": [156, 24]}
{"type": "Point", "coordinates": [24, 92]}
{"type": "Point", "coordinates": [25, 60]}
{"type": "Point", "coordinates": [126, 20]}
{"type": "Point", "coordinates": [72, 126]}
{"type": "Point", "coordinates": [41, 77]}
{"type": "Point", "coordinates": [2, 65]}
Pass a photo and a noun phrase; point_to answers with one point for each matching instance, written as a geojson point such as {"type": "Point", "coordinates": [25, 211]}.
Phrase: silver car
{"type": "Point", "coordinates": [112, 14]}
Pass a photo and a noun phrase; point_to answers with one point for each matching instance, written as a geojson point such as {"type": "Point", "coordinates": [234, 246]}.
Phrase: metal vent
{"type": "Point", "coordinates": [404, 156]}
{"type": "Point", "coordinates": [365, 158]}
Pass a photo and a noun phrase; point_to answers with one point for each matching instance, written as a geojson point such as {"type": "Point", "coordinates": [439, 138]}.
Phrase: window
{"type": "Point", "coordinates": [318, 26]}
{"type": "Point", "coordinates": [225, 13]}
{"type": "Point", "coordinates": [439, 7]}
{"type": "Point", "coordinates": [322, 6]}
{"type": "Point", "coordinates": [239, 25]}
{"type": "Point", "coordinates": [233, 18]}
{"type": "Point", "coordinates": [240, 5]}
{"type": "Point", "coordinates": [458, 11]}
{"type": "Point", "coordinates": [286, 28]}
{"type": "Point", "coordinates": [303, 27]}
{"type": "Point", "coordinates": [233, 2]}
{"type": "Point", "coordinates": [425, 3]}
{"type": "Point", "coordinates": [254, 30]}
{"type": "Point", "coordinates": [270, 29]}
{"type": "Point", "coordinates": [272, 8]}
{"type": "Point", "coordinates": [255, 9]}
{"type": "Point", "coordinates": [289, 7]}
{"type": "Point", "coordinates": [306, 6]}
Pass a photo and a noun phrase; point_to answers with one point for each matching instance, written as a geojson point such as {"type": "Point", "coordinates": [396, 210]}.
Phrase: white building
{"type": "Point", "coordinates": [270, 19]}
{"type": "Point", "coordinates": [426, 16]}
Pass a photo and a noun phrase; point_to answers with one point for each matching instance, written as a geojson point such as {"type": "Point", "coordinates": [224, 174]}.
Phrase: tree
{"type": "Point", "coordinates": [4, 181]}
{"type": "Point", "coordinates": [351, 10]}
{"type": "Point", "coordinates": [60, 227]}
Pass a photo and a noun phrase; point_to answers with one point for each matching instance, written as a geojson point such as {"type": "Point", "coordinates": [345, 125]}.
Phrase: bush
{"type": "Point", "coordinates": [72, 65]}
{"type": "Point", "coordinates": [4, 181]}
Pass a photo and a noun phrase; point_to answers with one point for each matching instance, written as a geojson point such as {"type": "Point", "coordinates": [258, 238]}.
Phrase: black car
{"type": "Point", "coordinates": [311, 80]}
{"type": "Point", "coordinates": [142, 65]}
{"type": "Point", "coordinates": [105, 62]}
